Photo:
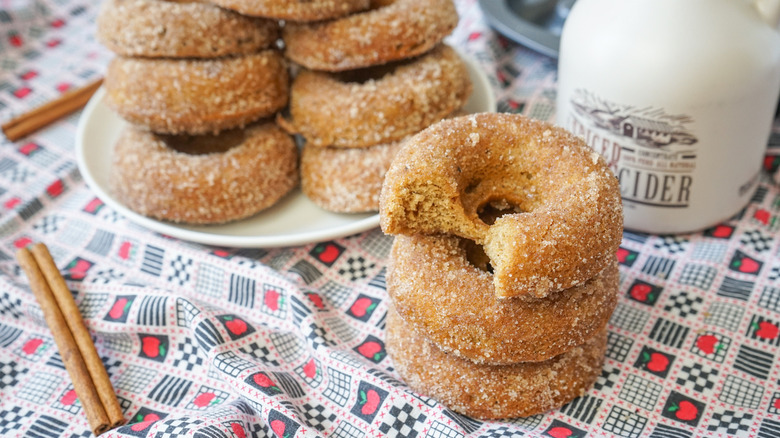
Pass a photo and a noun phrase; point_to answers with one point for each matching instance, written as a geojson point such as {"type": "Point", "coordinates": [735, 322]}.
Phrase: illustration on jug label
{"type": "Point", "coordinates": [650, 151]}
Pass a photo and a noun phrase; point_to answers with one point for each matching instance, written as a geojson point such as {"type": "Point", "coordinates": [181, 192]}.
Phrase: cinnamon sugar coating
{"type": "Point", "coordinates": [563, 216]}
{"type": "Point", "coordinates": [391, 30]}
{"type": "Point", "coordinates": [204, 179]}
{"type": "Point", "coordinates": [492, 392]}
{"type": "Point", "coordinates": [180, 29]}
{"type": "Point", "coordinates": [440, 291]}
{"type": "Point", "coordinates": [197, 96]}
{"type": "Point", "coordinates": [345, 180]}
{"type": "Point", "coordinates": [295, 10]}
{"type": "Point", "coordinates": [395, 101]}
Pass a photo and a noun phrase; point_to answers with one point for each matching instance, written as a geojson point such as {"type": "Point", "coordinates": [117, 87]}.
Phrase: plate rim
{"type": "Point", "coordinates": [232, 240]}
{"type": "Point", "coordinates": [501, 17]}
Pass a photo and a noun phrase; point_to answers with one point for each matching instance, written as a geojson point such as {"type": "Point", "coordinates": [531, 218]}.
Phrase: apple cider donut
{"type": "Point", "coordinates": [493, 392]}
{"type": "Point", "coordinates": [346, 180]}
{"type": "Point", "coordinates": [559, 208]}
{"type": "Point", "coordinates": [295, 10]}
{"type": "Point", "coordinates": [204, 179]}
{"type": "Point", "coordinates": [180, 29]}
{"type": "Point", "coordinates": [380, 104]}
{"type": "Point", "coordinates": [391, 30]}
{"type": "Point", "coordinates": [197, 96]}
{"type": "Point", "coordinates": [435, 282]}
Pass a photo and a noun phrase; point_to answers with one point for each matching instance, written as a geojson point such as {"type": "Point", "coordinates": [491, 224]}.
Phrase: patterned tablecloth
{"type": "Point", "coordinates": [693, 344]}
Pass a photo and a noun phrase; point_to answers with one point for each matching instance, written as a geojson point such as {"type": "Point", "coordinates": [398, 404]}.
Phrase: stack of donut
{"type": "Point", "coordinates": [199, 86]}
{"type": "Point", "coordinates": [503, 274]}
{"type": "Point", "coordinates": [367, 80]}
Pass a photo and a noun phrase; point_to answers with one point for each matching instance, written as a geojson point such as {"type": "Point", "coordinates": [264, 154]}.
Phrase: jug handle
{"type": "Point", "coordinates": [769, 10]}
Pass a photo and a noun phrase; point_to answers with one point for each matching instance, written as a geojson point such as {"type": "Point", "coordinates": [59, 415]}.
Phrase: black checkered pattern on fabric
{"type": "Point", "coordinates": [181, 270]}
{"type": "Point", "coordinates": [683, 304]}
{"type": "Point", "coordinates": [318, 336]}
{"type": "Point", "coordinates": [697, 376]}
{"type": "Point", "coordinates": [176, 427]}
{"type": "Point", "coordinates": [317, 416]}
{"type": "Point", "coordinates": [757, 241]}
{"type": "Point", "coordinates": [260, 352]}
{"type": "Point", "coordinates": [356, 268]}
{"type": "Point", "coordinates": [730, 422]}
{"type": "Point", "coordinates": [741, 392]}
{"type": "Point", "coordinates": [503, 432]}
{"type": "Point", "coordinates": [624, 423]}
{"type": "Point", "coordinates": [640, 392]}
{"type": "Point", "coordinates": [106, 276]}
{"type": "Point", "coordinates": [441, 430]}
{"type": "Point", "coordinates": [10, 306]}
{"type": "Point", "coordinates": [404, 422]}
{"type": "Point", "coordinates": [608, 378]}
{"type": "Point", "coordinates": [11, 420]}
{"type": "Point", "coordinates": [700, 276]}
{"type": "Point", "coordinates": [770, 298]}
{"type": "Point", "coordinates": [671, 244]}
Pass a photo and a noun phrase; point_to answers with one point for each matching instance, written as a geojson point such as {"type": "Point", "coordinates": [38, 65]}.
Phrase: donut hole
{"type": "Point", "coordinates": [205, 144]}
{"type": "Point", "coordinates": [476, 256]}
{"type": "Point", "coordinates": [495, 208]}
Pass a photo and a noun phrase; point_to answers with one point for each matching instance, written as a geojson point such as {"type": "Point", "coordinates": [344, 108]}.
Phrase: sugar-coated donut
{"type": "Point", "coordinates": [295, 10]}
{"type": "Point", "coordinates": [197, 96]}
{"type": "Point", "coordinates": [346, 180]}
{"type": "Point", "coordinates": [563, 220]}
{"type": "Point", "coordinates": [440, 287]}
{"type": "Point", "coordinates": [492, 392]}
{"type": "Point", "coordinates": [204, 179]}
{"type": "Point", "coordinates": [180, 29]}
{"type": "Point", "coordinates": [391, 30]}
{"type": "Point", "coordinates": [381, 104]}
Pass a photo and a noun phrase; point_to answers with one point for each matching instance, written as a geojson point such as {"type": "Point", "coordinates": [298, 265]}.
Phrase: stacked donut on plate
{"type": "Point", "coordinates": [367, 81]}
{"type": "Point", "coordinates": [199, 86]}
{"type": "Point", "coordinates": [503, 274]}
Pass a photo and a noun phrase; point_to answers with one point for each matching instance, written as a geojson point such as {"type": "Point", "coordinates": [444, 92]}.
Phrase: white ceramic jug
{"type": "Point", "coordinates": [678, 96]}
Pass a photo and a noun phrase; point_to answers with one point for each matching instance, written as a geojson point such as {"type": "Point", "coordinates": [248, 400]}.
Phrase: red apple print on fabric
{"type": "Point", "coordinates": [720, 231]}
{"type": "Point", "coordinates": [680, 407]}
{"type": "Point", "coordinates": [22, 92]}
{"type": "Point", "coordinates": [316, 300]}
{"type": "Point", "coordinates": [708, 344]}
{"type": "Point", "coordinates": [94, 206]}
{"type": "Point", "coordinates": [144, 422]}
{"type": "Point", "coordinates": [626, 256]}
{"type": "Point", "coordinates": [154, 347]}
{"type": "Point", "coordinates": [205, 399]}
{"type": "Point", "coordinates": [126, 250]}
{"type": "Point", "coordinates": [776, 404]}
{"type": "Point", "coordinates": [369, 399]}
{"type": "Point", "coordinates": [238, 430]}
{"type": "Point", "coordinates": [31, 347]}
{"type": "Point", "coordinates": [310, 370]}
{"type": "Point", "coordinates": [762, 216]}
{"type": "Point", "coordinates": [654, 361]}
{"type": "Point", "coordinates": [77, 269]}
{"type": "Point", "coordinates": [363, 307]}
{"type": "Point", "coordinates": [282, 426]}
{"type": "Point", "coordinates": [643, 292]}
{"type": "Point", "coordinates": [69, 397]}
{"type": "Point", "coordinates": [327, 252]}
{"type": "Point", "coordinates": [55, 189]}
{"type": "Point", "coordinates": [372, 349]}
{"type": "Point", "coordinates": [264, 383]}
{"type": "Point", "coordinates": [741, 262]}
{"type": "Point", "coordinates": [765, 330]}
{"type": "Point", "coordinates": [120, 309]}
{"type": "Point", "coordinates": [29, 149]}
{"type": "Point", "coordinates": [273, 299]}
{"type": "Point", "coordinates": [236, 326]}
{"type": "Point", "coordinates": [559, 429]}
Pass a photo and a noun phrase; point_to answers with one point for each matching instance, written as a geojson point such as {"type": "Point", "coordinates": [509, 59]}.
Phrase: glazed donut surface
{"type": "Point", "coordinates": [340, 110]}
{"type": "Point", "coordinates": [561, 213]}
{"type": "Point", "coordinates": [180, 29]}
{"type": "Point", "coordinates": [345, 180]}
{"type": "Point", "coordinates": [197, 96]}
{"type": "Point", "coordinates": [295, 10]}
{"type": "Point", "coordinates": [204, 179]}
{"type": "Point", "coordinates": [391, 30]}
{"type": "Point", "coordinates": [440, 291]}
{"type": "Point", "coordinates": [492, 392]}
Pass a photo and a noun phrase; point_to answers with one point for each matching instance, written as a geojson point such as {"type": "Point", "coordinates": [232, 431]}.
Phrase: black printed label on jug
{"type": "Point", "coordinates": [652, 153]}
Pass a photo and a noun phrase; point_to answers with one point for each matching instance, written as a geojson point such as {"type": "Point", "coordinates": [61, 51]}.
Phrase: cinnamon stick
{"type": "Point", "coordinates": [81, 335]}
{"type": "Point", "coordinates": [71, 356]}
{"type": "Point", "coordinates": [49, 112]}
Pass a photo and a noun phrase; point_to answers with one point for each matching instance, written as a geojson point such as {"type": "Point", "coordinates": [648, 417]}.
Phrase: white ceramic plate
{"type": "Point", "coordinates": [293, 221]}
